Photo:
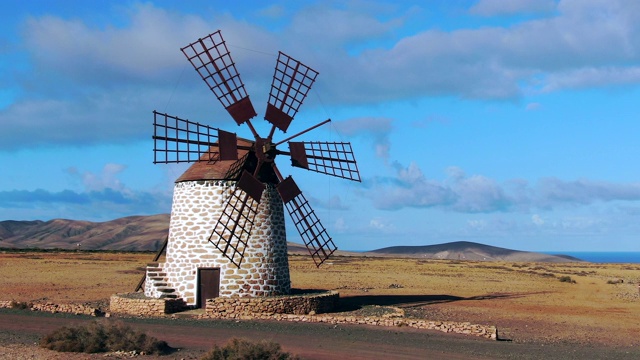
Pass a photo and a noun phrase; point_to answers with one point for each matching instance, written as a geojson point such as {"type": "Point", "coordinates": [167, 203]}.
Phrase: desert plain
{"type": "Point", "coordinates": [570, 303]}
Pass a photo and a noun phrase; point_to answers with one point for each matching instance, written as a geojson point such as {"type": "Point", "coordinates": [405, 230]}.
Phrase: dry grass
{"type": "Point", "coordinates": [525, 300]}
{"type": "Point", "coordinates": [68, 277]}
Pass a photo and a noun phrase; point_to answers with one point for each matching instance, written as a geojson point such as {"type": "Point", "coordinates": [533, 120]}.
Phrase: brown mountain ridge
{"type": "Point", "coordinates": [147, 233]}
{"type": "Point", "coordinates": [133, 233]}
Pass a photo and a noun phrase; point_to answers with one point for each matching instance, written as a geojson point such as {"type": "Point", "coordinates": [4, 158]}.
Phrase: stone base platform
{"type": "Point", "coordinates": [138, 304]}
{"type": "Point", "coordinates": [237, 307]}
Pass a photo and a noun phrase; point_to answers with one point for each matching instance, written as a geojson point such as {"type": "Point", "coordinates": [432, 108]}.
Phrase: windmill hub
{"type": "Point", "coordinates": [266, 150]}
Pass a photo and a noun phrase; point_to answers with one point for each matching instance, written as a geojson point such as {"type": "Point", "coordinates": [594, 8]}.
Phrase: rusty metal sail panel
{"type": "Point", "coordinates": [228, 145]}
{"type": "Point", "coordinates": [331, 158]}
{"type": "Point", "coordinates": [232, 231]}
{"type": "Point", "coordinates": [288, 189]}
{"type": "Point", "coordinates": [291, 83]}
{"type": "Point", "coordinates": [313, 234]}
{"type": "Point", "coordinates": [177, 140]}
{"type": "Point", "coordinates": [250, 185]}
{"type": "Point", "coordinates": [298, 155]}
{"type": "Point", "coordinates": [211, 59]}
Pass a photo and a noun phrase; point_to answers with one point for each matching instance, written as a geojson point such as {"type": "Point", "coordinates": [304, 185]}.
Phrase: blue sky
{"type": "Point", "coordinates": [511, 123]}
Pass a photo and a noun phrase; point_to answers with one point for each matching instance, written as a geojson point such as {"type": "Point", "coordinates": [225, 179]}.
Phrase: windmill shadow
{"type": "Point", "coordinates": [352, 303]}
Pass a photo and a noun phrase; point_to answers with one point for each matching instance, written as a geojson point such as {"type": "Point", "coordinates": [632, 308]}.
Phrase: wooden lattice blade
{"type": "Point", "coordinates": [331, 158]}
{"type": "Point", "coordinates": [177, 140]}
{"type": "Point", "coordinates": [313, 234]}
{"type": "Point", "coordinates": [233, 229]}
{"type": "Point", "coordinates": [292, 81]}
{"type": "Point", "coordinates": [212, 60]}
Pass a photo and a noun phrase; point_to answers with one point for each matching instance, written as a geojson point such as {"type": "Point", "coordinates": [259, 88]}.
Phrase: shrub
{"type": "Point", "coordinates": [20, 305]}
{"type": "Point", "coordinates": [566, 279]}
{"type": "Point", "coordinates": [103, 337]}
{"type": "Point", "coordinates": [240, 349]}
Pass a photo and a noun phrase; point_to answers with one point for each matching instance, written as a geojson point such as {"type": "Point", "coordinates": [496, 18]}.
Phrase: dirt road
{"type": "Point", "coordinates": [19, 330]}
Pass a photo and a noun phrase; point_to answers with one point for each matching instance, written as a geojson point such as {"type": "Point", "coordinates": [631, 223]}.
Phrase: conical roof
{"type": "Point", "coordinates": [218, 170]}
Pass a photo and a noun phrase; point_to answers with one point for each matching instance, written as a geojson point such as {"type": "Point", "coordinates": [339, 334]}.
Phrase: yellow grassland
{"type": "Point", "coordinates": [526, 301]}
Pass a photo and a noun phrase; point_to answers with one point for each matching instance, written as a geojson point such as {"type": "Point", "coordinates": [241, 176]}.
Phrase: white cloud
{"type": "Point", "coordinates": [479, 194]}
{"type": "Point", "coordinates": [340, 225]}
{"type": "Point", "coordinates": [375, 128]}
{"type": "Point", "coordinates": [533, 106]}
{"type": "Point", "coordinates": [590, 77]}
{"type": "Point", "coordinates": [477, 224]}
{"type": "Point", "coordinates": [82, 84]}
{"type": "Point", "coordinates": [381, 225]}
{"type": "Point", "coordinates": [107, 179]}
{"type": "Point", "coordinates": [507, 7]}
{"type": "Point", "coordinates": [537, 219]}
{"type": "Point", "coordinates": [551, 191]}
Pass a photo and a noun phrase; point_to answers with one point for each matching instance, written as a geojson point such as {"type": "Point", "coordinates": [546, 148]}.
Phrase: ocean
{"type": "Point", "coordinates": [601, 257]}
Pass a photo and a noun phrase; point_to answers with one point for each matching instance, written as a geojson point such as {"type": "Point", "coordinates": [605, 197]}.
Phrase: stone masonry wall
{"type": "Point", "coordinates": [311, 308]}
{"type": "Point", "coordinates": [236, 307]}
{"type": "Point", "coordinates": [122, 304]}
{"type": "Point", "coordinates": [134, 304]}
{"type": "Point", "coordinates": [196, 207]}
{"type": "Point", "coordinates": [77, 309]}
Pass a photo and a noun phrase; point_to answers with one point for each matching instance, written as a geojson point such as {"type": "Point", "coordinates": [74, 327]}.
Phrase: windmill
{"type": "Point", "coordinates": [246, 168]}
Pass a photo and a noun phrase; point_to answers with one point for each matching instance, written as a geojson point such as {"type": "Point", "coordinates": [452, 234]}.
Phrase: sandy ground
{"type": "Point", "coordinates": [526, 301]}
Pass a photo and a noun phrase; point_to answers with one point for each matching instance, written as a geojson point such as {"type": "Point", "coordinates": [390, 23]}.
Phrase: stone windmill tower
{"type": "Point", "coordinates": [227, 231]}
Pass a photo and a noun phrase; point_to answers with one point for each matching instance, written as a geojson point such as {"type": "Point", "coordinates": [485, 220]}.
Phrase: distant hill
{"type": "Point", "coordinates": [147, 233]}
{"type": "Point", "coordinates": [133, 233]}
{"type": "Point", "coordinates": [464, 250]}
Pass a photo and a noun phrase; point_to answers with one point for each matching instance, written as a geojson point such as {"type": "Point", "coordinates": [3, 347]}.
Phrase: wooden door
{"type": "Point", "coordinates": [208, 285]}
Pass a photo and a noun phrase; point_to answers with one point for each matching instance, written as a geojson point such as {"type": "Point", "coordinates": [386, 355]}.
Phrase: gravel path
{"type": "Point", "coordinates": [21, 330]}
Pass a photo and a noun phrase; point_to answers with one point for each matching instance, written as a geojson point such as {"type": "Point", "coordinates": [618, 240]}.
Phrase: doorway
{"type": "Point", "coordinates": [208, 285]}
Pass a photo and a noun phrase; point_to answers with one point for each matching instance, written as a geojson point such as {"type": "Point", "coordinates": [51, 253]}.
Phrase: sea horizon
{"type": "Point", "coordinates": [618, 257]}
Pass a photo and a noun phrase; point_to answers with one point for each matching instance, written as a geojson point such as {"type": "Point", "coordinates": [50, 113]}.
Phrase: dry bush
{"type": "Point", "coordinates": [102, 337]}
{"type": "Point", "coordinates": [566, 279]}
{"type": "Point", "coordinates": [21, 305]}
{"type": "Point", "coordinates": [241, 349]}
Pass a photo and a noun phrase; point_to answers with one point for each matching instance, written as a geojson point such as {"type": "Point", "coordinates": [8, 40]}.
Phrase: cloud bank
{"type": "Point", "coordinates": [81, 84]}
{"type": "Point", "coordinates": [463, 193]}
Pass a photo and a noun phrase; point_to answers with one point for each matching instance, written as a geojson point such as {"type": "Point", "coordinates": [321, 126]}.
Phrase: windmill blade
{"type": "Point", "coordinates": [331, 158]}
{"type": "Point", "coordinates": [212, 60]}
{"type": "Point", "coordinates": [228, 145]}
{"type": "Point", "coordinates": [291, 83]}
{"type": "Point", "coordinates": [177, 140]}
{"type": "Point", "coordinates": [314, 235]}
{"type": "Point", "coordinates": [233, 229]}
{"type": "Point", "coordinates": [236, 169]}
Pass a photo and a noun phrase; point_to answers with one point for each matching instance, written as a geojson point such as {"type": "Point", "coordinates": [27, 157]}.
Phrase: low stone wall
{"type": "Point", "coordinates": [78, 309]}
{"type": "Point", "coordinates": [138, 304]}
{"type": "Point", "coordinates": [489, 332]}
{"type": "Point", "coordinates": [311, 308]}
{"type": "Point", "coordinates": [235, 307]}
{"type": "Point", "coordinates": [6, 304]}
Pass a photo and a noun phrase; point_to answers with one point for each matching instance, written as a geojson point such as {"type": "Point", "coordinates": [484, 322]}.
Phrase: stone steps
{"type": "Point", "coordinates": [159, 281]}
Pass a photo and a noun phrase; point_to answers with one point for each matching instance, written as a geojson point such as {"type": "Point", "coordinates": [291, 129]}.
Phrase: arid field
{"type": "Point", "coordinates": [528, 302]}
